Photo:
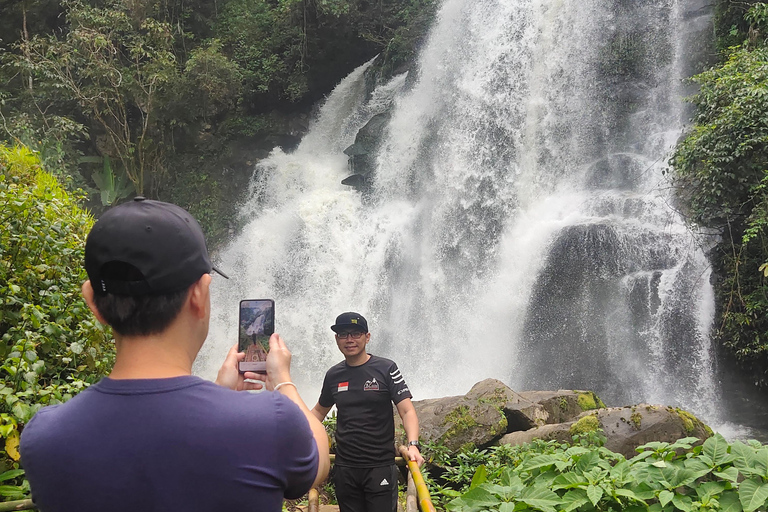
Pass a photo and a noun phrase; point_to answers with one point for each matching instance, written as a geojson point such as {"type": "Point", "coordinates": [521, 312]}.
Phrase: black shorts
{"type": "Point", "coordinates": [366, 489]}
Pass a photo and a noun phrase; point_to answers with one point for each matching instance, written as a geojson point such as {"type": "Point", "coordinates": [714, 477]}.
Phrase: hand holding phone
{"type": "Point", "coordinates": [256, 325]}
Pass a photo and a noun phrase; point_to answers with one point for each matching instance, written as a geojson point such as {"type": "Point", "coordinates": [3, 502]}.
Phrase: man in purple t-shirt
{"type": "Point", "coordinates": [151, 436]}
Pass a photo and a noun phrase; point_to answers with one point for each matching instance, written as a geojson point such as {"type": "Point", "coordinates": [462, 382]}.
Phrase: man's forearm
{"type": "Point", "coordinates": [411, 426]}
{"type": "Point", "coordinates": [318, 432]}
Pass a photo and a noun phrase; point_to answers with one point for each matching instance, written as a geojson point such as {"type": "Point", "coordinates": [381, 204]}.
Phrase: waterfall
{"type": "Point", "coordinates": [518, 222]}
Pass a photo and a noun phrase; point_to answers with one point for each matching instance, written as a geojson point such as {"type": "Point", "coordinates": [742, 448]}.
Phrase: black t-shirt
{"type": "Point", "coordinates": [365, 426]}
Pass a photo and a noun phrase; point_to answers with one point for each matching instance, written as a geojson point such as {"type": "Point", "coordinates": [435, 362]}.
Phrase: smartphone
{"type": "Point", "coordinates": [257, 323]}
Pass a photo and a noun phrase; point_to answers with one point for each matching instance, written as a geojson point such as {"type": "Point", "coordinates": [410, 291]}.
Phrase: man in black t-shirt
{"type": "Point", "coordinates": [363, 387]}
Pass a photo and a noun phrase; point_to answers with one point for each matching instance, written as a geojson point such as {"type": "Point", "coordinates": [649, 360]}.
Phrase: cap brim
{"type": "Point", "coordinates": [218, 271]}
{"type": "Point", "coordinates": [336, 327]}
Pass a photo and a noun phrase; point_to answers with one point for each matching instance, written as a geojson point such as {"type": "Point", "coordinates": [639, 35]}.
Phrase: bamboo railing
{"type": "Point", "coordinates": [425, 502]}
{"type": "Point", "coordinates": [417, 497]}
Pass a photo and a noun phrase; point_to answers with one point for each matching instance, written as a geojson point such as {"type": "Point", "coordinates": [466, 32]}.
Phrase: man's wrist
{"type": "Point", "coordinates": [414, 443]}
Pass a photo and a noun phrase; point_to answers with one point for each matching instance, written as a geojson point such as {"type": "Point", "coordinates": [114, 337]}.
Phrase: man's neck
{"type": "Point", "coordinates": [358, 360]}
{"type": "Point", "coordinates": [151, 357]}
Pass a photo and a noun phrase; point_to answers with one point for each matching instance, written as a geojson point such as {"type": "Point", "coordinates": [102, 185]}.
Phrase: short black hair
{"type": "Point", "coordinates": [142, 315]}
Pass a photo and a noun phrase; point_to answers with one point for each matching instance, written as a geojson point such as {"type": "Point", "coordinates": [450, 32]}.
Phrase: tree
{"type": "Point", "coordinates": [52, 347]}
{"type": "Point", "coordinates": [117, 66]}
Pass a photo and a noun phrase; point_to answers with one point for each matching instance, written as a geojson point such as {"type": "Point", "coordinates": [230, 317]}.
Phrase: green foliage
{"type": "Point", "coordinates": [112, 188]}
{"type": "Point", "coordinates": [267, 45]}
{"type": "Point", "coordinates": [52, 347]}
{"type": "Point", "coordinates": [116, 67]}
{"type": "Point", "coordinates": [721, 168]}
{"type": "Point", "coordinates": [213, 80]}
{"type": "Point", "coordinates": [663, 477]}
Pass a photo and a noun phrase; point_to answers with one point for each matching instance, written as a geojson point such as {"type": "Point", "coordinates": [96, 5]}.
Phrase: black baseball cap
{"type": "Point", "coordinates": [146, 247]}
{"type": "Point", "coordinates": [347, 320]}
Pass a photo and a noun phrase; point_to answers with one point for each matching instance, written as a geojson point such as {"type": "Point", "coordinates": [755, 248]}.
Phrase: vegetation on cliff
{"type": "Point", "coordinates": [722, 180]}
{"type": "Point", "coordinates": [162, 98]}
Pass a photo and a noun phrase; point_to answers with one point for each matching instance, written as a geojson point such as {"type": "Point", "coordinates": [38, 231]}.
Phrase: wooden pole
{"type": "Point", "coordinates": [7, 506]}
{"type": "Point", "coordinates": [314, 501]}
{"type": "Point", "coordinates": [411, 497]}
{"type": "Point", "coordinates": [425, 502]}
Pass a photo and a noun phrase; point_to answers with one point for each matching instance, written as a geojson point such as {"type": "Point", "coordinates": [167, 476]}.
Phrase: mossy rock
{"type": "Point", "coordinates": [458, 422]}
{"type": "Point", "coordinates": [585, 425]}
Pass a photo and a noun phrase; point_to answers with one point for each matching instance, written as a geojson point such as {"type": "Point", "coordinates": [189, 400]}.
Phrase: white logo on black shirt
{"type": "Point", "coordinates": [371, 385]}
{"type": "Point", "coordinates": [384, 482]}
{"type": "Point", "coordinates": [397, 377]}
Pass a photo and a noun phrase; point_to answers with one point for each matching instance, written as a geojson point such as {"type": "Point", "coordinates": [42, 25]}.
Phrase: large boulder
{"type": "Point", "coordinates": [520, 412]}
{"type": "Point", "coordinates": [491, 409]}
{"type": "Point", "coordinates": [625, 428]}
{"type": "Point", "coordinates": [458, 422]}
{"type": "Point", "coordinates": [563, 405]}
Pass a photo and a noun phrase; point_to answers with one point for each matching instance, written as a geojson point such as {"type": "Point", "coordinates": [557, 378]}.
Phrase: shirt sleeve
{"type": "Point", "coordinates": [299, 450]}
{"type": "Point", "coordinates": [326, 395]}
{"type": "Point", "coordinates": [398, 388]}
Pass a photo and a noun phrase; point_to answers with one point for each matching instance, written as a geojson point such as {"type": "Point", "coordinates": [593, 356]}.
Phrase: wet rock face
{"type": "Point", "coordinates": [492, 413]}
{"type": "Point", "coordinates": [490, 410]}
{"type": "Point", "coordinates": [362, 154]}
{"type": "Point", "coordinates": [625, 428]}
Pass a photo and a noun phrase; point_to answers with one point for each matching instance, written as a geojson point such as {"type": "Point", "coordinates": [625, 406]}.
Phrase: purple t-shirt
{"type": "Point", "coordinates": [168, 444]}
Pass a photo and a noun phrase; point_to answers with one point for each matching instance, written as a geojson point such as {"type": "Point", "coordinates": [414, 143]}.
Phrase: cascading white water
{"type": "Point", "coordinates": [518, 223]}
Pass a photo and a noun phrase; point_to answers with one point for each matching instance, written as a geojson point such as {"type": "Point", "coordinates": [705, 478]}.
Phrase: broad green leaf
{"type": "Point", "coordinates": [503, 492]}
{"type": "Point", "coordinates": [507, 507]}
{"type": "Point", "coordinates": [11, 491]}
{"type": "Point", "coordinates": [761, 462]}
{"type": "Point", "coordinates": [731, 474]}
{"type": "Point", "coordinates": [644, 491]}
{"type": "Point", "coordinates": [682, 502]}
{"type": "Point", "coordinates": [594, 493]}
{"type": "Point", "coordinates": [480, 476]}
{"type": "Point", "coordinates": [729, 502]}
{"type": "Point", "coordinates": [621, 472]}
{"type": "Point", "coordinates": [13, 473]}
{"type": "Point", "coordinates": [586, 462]}
{"type": "Point", "coordinates": [743, 456]}
{"type": "Point", "coordinates": [752, 494]}
{"type": "Point", "coordinates": [709, 489]}
{"type": "Point", "coordinates": [665, 497]}
{"type": "Point", "coordinates": [541, 498]}
{"type": "Point", "coordinates": [573, 499]}
{"type": "Point", "coordinates": [478, 499]}
{"type": "Point", "coordinates": [628, 494]}
{"type": "Point", "coordinates": [679, 476]}
{"type": "Point", "coordinates": [510, 479]}
{"type": "Point", "coordinates": [716, 448]}
{"type": "Point", "coordinates": [537, 461]}
{"type": "Point", "coordinates": [569, 481]}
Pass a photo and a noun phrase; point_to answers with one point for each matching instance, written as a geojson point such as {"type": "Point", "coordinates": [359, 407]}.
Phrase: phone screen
{"type": "Point", "coordinates": [256, 325]}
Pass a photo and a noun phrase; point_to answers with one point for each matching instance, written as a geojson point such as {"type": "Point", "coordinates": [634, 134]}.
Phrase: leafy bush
{"type": "Point", "coordinates": [721, 177]}
{"type": "Point", "coordinates": [52, 346]}
{"type": "Point", "coordinates": [663, 477]}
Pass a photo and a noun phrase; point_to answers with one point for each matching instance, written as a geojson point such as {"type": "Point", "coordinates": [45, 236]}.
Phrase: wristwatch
{"type": "Point", "coordinates": [414, 443]}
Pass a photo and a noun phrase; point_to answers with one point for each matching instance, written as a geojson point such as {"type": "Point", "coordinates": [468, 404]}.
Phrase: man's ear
{"type": "Point", "coordinates": [87, 291]}
{"type": "Point", "coordinates": [199, 296]}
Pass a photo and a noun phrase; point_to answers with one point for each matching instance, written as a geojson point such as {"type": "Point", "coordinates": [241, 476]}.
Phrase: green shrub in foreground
{"type": "Point", "coordinates": [663, 477]}
{"type": "Point", "coordinates": [52, 347]}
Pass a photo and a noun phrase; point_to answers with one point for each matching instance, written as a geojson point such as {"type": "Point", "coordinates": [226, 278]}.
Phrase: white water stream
{"type": "Point", "coordinates": [519, 224]}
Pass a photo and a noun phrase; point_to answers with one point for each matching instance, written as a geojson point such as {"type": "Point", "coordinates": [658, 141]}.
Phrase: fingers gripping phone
{"type": "Point", "coordinates": [256, 325]}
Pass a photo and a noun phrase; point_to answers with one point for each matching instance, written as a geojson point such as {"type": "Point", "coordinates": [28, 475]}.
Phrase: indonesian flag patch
{"type": "Point", "coordinates": [343, 386]}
